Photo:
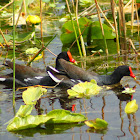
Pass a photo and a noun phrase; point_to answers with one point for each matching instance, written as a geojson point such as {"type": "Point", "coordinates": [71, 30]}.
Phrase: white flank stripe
{"type": "Point", "coordinates": [72, 80]}
{"type": "Point", "coordinates": [2, 79]}
{"type": "Point", "coordinates": [54, 78]}
{"type": "Point", "coordinates": [38, 77]}
{"type": "Point", "coordinates": [54, 69]}
{"type": "Point", "coordinates": [80, 81]}
{"type": "Point", "coordinates": [28, 79]}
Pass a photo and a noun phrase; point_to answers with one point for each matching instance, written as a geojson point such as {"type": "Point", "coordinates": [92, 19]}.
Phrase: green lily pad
{"type": "Point", "coordinates": [86, 89]}
{"type": "Point", "coordinates": [131, 107]}
{"type": "Point", "coordinates": [25, 121]}
{"type": "Point", "coordinates": [32, 94]}
{"type": "Point", "coordinates": [20, 123]}
{"type": "Point", "coordinates": [64, 116]}
{"type": "Point", "coordinates": [87, 27]}
{"type": "Point", "coordinates": [97, 123]}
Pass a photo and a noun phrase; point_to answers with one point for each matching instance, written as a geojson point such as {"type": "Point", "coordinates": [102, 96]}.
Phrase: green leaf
{"type": "Point", "coordinates": [86, 89]}
{"type": "Point", "coordinates": [86, 3]}
{"type": "Point", "coordinates": [64, 116]}
{"type": "Point", "coordinates": [131, 107]}
{"type": "Point", "coordinates": [24, 110]}
{"type": "Point", "coordinates": [25, 37]}
{"type": "Point", "coordinates": [97, 33]}
{"type": "Point", "coordinates": [86, 26]}
{"type": "Point", "coordinates": [47, 1]}
{"type": "Point", "coordinates": [97, 123]}
{"type": "Point", "coordinates": [53, 117]}
{"type": "Point", "coordinates": [20, 123]}
{"type": "Point", "coordinates": [68, 35]}
{"type": "Point", "coordinates": [7, 37]}
{"type": "Point", "coordinates": [32, 94]}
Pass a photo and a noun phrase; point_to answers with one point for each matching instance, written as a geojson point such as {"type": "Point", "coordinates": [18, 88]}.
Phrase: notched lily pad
{"type": "Point", "coordinates": [86, 89]}
{"type": "Point", "coordinates": [97, 123]}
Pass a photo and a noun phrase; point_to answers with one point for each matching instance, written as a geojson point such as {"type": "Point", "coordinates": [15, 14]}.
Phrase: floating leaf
{"type": "Point", "coordinates": [20, 123]}
{"type": "Point", "coordinates": [97, 123]}
{"type": "Point", "coordinates": [131, 107]}
{"type": "Point", "coordinates": [85, 89]}
{"type": "Point", "coordinates": [53, 117]}
{"type": "Point", "coordinates": [32, 94]}
{"type": "Point", "coordinates": [64, 116]}
{"type": "Point", "coordinates": [24, 110]}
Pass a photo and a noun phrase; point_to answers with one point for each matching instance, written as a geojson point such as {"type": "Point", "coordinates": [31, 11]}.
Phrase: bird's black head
{"type": "Point", "coordinates": [66, 56]}
{"type": "Point", "coordinates": [124, 70]}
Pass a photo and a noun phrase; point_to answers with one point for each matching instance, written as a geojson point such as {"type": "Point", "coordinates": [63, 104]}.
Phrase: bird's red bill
{"type": "Point", "coordinates": [71, 59]}
{"type": "Point", "coordinates": [131, 73]}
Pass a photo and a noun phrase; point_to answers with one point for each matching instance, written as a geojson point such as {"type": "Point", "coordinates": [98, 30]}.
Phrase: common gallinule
{"type": "Point", "coordinates": [72, 74]}
{"type": "Point", "coordinates": [26, 76]}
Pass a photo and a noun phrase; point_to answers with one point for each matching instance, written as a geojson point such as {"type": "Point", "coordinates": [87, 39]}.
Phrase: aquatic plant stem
{"type": "Point", "coordinates": [97, 8]}
{"type": "Point", "coordinates": [4, 37]}
{"type": "Point", "coordinates": [137, 17]}
{"type": "Point", "coordinates": [20, 12]}
{"type": "Point", "coordinates": [6, 5]}
{"type": "Point", "coordinates": [14, 53]}
{"type": "Point", "coordinates": [132, 16]}
{"type": "Point", "coordinates": [81, 37]}
{"type": "Point", "coordinates": [41, 21]}
{"type": "Point", "coordinates": [105, 17]}
{"type": "Point", "coordinates": [41, 50]}
{"type": "Point", "coordinates": [122, 27]}
{"type": "Point", "coordinates": [115, 24]}
{"type": "Point", "coordinates": [80, 52]}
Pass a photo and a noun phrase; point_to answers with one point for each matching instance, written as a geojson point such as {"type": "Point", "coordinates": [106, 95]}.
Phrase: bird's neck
{"type": "Point", "coordinates": [58, 65]}
{"type": "Point", "coordinates": [114, 78]}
